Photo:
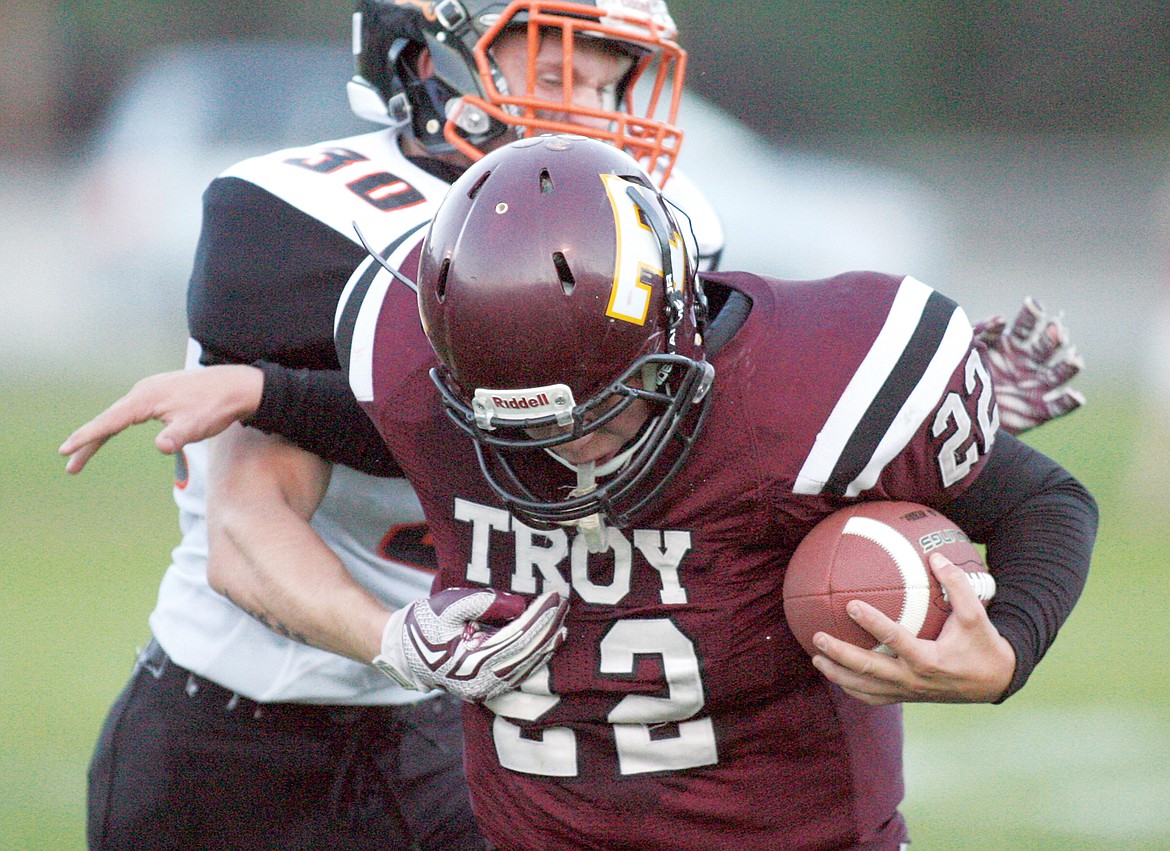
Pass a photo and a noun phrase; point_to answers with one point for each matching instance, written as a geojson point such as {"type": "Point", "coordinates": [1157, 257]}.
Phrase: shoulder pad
{"type": "Point", "coordinates": [362, 179]}
{"type": "Point", "coordinates": [681, 191]}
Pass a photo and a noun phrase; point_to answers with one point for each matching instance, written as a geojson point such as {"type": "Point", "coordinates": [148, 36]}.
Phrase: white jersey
{"type": "Point", "coordinates": [308, 200]}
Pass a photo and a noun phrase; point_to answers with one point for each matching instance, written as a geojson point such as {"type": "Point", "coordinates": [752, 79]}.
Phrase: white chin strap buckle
{"type": "Point", "coordinates": [593, 526]}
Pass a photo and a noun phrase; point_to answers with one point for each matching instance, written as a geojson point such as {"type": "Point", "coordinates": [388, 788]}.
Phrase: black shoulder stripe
{"type": "Point", "coordinates": [909, 363]}
{"type": "Point", "coordinates": [356, 295]}
{"type": "Point", "coordinates": [903, 377]}
{"type": "Point", "coordinates": [343, 334]}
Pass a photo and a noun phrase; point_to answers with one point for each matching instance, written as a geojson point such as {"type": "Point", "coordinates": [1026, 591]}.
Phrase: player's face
{"type": "Point", "coordinates": [603, 443]}
{"type": "Point", "coordinates": [597, 71]}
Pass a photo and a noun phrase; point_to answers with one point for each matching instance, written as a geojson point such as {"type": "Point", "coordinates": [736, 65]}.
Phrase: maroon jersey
{"type": "Point", "coordinates": [680, 713]}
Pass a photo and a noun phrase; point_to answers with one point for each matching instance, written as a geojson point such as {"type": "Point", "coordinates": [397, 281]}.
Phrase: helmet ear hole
{"type": "Point", "coordinates": [564, 273]}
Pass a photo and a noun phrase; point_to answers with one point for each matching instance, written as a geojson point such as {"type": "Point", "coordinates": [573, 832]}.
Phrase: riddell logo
{"type": "Point", "coordinates": [522, 403]}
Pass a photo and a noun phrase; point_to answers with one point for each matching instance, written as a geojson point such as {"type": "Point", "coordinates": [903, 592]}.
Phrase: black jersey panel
{"type": "Point", "coordinates": [266, 280]}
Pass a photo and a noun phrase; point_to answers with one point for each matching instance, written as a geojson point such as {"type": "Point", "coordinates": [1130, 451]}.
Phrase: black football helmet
{"type": "Point", "coordinates": [556, 288]}
{"type": "Point", "coordinates": [467, 105]}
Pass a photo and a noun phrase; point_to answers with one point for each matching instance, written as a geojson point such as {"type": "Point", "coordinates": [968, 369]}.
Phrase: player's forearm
{"type": "Point", "coordinates": [293, 584]}
{"type": "Point", "coordinates": [266, 557]}
{"type": "Point", "coordinates": [1039, 524]}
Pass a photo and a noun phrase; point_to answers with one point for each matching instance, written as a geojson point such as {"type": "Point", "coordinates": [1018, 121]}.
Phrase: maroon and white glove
{"type": "Point", "coordinates": [475, 643]}
{"type": "Point", "coordinates": [1031, 366]}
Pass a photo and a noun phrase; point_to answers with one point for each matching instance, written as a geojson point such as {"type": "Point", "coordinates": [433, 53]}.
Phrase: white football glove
{"type": "Point", "coordinates": [475, 643]}
{"type": "Point", "coordinates": [1031, 366]}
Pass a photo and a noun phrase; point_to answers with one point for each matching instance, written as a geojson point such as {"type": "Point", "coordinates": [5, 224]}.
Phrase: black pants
{"type": "Point", "coordinates": [183, 763]}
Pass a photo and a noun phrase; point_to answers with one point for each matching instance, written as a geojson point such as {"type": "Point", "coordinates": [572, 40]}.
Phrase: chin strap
{"type": "Point", "coordinates": [592, 527]}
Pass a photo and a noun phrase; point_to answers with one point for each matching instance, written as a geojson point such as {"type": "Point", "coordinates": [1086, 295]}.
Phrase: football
{"type": "Point", "coordinates": [877, 552]}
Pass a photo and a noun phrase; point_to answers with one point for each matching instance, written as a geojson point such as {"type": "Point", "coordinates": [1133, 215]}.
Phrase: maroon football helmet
{"type": "Point", "coordinates": [556, 287]}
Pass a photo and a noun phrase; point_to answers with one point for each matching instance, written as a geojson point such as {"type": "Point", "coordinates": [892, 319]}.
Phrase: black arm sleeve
{"type": "Point", "coordinates": [316, 410]}
{"type": "Point", "coordinates": [1039, 524]}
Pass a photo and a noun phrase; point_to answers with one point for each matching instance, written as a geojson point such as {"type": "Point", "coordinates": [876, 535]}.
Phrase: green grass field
{"type": "Point", "coordinates": [1080, 759]}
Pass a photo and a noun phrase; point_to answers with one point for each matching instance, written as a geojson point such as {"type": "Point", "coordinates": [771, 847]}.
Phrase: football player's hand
{"type": "Point", "coordinates": [969, 662]}
{"type": "Point", "coordinates": [1031, 365]}
{"type": "Point", "coordinates": [193, 404]}
{"type": "Point", "coordinates": [475, 643]}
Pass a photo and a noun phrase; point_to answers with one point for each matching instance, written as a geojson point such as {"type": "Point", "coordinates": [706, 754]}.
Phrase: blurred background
{"type": "Point", "coordinates": [992, 150]}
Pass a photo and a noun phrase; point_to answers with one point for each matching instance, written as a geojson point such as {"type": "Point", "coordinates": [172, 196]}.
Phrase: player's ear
{"type": "Point", "coordinates": [424, 65]}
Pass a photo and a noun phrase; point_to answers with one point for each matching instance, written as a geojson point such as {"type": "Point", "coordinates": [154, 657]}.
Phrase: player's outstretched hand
{"type": "Point", "coordinates": [475, 643]}
{"type": "Point", "coordinates": [970, 662]}
{"type": "Point", "coordinates": [1031, 365]}
{"type": "Point", "coordinates": [194, 404]}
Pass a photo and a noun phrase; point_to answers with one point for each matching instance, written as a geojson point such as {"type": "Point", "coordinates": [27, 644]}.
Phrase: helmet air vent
{"type": "Point", "coordinates": [564, 273]}
{"type": "Point", "coordinates": [478, 185]}
{"type": "Point", "coordinates": [546, 182]}
{"type": "Point", "coordinates": [441, 284]}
